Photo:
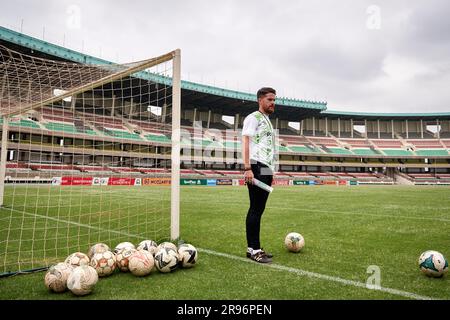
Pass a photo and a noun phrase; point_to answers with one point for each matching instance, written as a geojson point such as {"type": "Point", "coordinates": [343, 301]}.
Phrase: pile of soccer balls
{"type": "Point", "coordinates": [80, 272]}
{"type": "Point", "coordinates": [431, 263]}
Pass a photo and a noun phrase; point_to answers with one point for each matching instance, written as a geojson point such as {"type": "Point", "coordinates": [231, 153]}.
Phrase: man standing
{"type": "Point", "coordinates": [258, 152]}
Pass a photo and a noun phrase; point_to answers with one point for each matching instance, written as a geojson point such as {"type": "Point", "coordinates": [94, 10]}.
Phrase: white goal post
{"type": "Point", "coordinates": [89, 153]}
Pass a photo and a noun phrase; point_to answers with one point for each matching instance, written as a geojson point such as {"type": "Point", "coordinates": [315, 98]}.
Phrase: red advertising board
{"type": "Point", "coordinates": [76, 181]}
{"type": "Point", "coordinates": [116, 181]}
{"type": "Point", "coordinates": [277, 182]}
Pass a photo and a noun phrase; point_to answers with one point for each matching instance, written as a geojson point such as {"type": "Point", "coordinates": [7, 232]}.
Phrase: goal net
{"type": "Point", "coordinates": [86, 156]}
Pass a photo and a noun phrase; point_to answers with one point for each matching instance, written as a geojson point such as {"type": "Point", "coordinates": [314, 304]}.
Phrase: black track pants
{"type": "Point", "coordinates": [258, 199]}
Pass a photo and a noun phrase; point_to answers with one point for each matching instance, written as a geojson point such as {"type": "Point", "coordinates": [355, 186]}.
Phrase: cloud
{"type": "Point", "coordinates": [358, 55]}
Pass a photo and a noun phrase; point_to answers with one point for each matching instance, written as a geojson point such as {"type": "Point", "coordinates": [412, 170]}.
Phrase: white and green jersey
{"type": "Point", "coordinates": [262, 138]}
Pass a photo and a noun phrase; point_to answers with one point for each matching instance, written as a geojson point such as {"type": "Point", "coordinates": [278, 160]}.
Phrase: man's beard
{"type": "Point", "coordinates": [269, 110]}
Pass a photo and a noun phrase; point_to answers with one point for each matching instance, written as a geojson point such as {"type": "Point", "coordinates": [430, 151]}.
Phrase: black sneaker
{"type": "Point", "coordinates": [269, 255]}
{"type": "Point", "coordinates": [260, 257]}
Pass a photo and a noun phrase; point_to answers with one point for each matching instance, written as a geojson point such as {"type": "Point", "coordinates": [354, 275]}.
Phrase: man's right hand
{"type": "Point", "coordinates": [248, 176]}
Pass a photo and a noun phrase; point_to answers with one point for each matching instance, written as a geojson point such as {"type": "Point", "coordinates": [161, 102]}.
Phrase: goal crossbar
{"type": "Point", "coordinates": [145, 64]}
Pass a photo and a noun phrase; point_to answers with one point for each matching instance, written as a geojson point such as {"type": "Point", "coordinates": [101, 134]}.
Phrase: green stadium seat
{"type": "Point", "coordinates": [232, 144]}
{"type": "Point", "coordinates": [24, 123]}
{"type": "Point", "coordinates": [283, 149]}
{"type": "Point", "coordinates": [55, 126]}
{"type": "Point", "coordinates": [432, 152]}
{"type": "Point", "coordinates": [365, 152]}
{"type": "Point", "coordinates": [339, 150]}
{"type": "Point", "coordinates": [66, 127]}
{"type": "Point", "coordinates": [122, 134]}
{"type": "Point", "coordinates": [303, 149]}
{"type": "Point", "coordinates": [206, 143]}
{"type": "Point", "coordinates": [397, 152]}
{"type": "Point", "coordinates": [158, 138]}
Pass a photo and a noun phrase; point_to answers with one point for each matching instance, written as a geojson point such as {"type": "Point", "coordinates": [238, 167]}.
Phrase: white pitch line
{"type": "Point", "coordinates": [338, 212]}
{"type": "Point", "coordinates": [360, 213]}
{"type": "Point", "coordinates": [73, 223]}
{"type": "Point", "coordinates": [310, 274]}
{"type": "Point", "coordinates": [299, 272]}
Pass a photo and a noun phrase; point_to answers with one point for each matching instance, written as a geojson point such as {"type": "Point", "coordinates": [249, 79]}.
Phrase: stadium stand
{"type": "Point", "coordinates": [423, 177]}
{"type": "Point", "coordinates": [302, 174]}
{"type": "Point", "coordinates": [218, 125]}
{"type": "Point", "coordinates": [93, 169]}
{"type": "Point", "coordinates": [328, 146]}
{"type": "Point", "coordinates": [20, 167]}
{"type": "Point", "coordinates": [287, 131]}
{"type": "Point", "coordinates": [208, 173]}
{"type": "Point", "coordinates": [20, 122]}
{"type": "Point", "coordinates": [54, 167]}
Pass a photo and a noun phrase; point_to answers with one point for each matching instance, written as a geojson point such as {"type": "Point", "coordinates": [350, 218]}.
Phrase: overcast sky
{"type": "Point", "coordinates": [360, 56]}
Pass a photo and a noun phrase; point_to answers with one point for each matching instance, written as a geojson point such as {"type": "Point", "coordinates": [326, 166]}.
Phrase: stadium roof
{"type": "Point", "coordinates": [200, 96]}
{"type": "Point", "coordinates": [205, 97]}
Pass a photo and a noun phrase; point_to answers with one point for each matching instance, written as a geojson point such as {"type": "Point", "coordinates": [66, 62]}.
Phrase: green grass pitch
{"type": "Point", "coordinates": [346, 230]}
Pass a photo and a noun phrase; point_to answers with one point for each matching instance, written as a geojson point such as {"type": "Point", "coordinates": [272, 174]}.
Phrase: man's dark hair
{"type": "Point", "coordinates": [263, 91]}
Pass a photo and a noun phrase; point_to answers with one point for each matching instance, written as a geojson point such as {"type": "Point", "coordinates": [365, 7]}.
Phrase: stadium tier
{"type": "Point", "coordinates": [57, 124]}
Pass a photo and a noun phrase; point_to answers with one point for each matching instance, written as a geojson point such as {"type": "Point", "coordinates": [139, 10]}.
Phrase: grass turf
{"type": "Point", "coordinates": [346, 230]}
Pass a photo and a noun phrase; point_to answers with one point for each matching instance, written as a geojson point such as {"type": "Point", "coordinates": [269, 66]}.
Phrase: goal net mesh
{"type": "Point", "coordinates": [86, 156]}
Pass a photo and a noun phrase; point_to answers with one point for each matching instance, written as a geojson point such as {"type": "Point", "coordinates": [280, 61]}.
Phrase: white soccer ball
{"type": "Point", "coordinates": [123, 245]}
{"type": "Point", "coordinates": [149, 245]}
{"type": "Point", "coordinates": [122, 259]}
{"type": "Point", "coordinates": [188, 255]}
{"type": "Point", "coordinates": [167, 244]}
{"type": "Point", "coordinates": [97, 248]}
{"type": "Point", "coordinates": [77, 259]}
{"type": "Point", "coordinates": [166, 259]}
{"type": "Point", "coordinates": [82, 280]}
{"type": "Point", "coordinates": [294, 242]}
{"type": "Point", "coordinates": [141, 263]}
{"type": "Point", "coordinates": [104, 263]}
{"type": "Point", "coordinates": [56, 277]}
{"type": "Point", "coordinates": [433, 263]}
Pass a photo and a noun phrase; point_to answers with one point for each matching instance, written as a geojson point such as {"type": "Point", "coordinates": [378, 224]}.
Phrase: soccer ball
{"type": "Point", "coordinates": [433, 264]}
{"type": "Point", "coordinates": [294, 242]}
{"type": "Point", "coordinates": [104, 263]}
{"type": "Point", "coordinates": [166, 260]}
{"type": "Point", "coordinates": [56, 277]}
{"type": "Point", "coordinates": [97, 248]}
{"type": "Point", "coordinates": [77, 259]}
{"type": "Point", "coordinates": [188, 255]}
{"type": "Point", "coordinates": [149, 245]}
{"type": "Point", "coordinates": [122, 258]}
{"type": "Point", "coordinates": [141, 263]}
{"type": "Point", "coordinates": [167, 245]}
{"type": "Point", "coordinates": [123, 245]}
{"type": "Point", "coordinates": [82, 280]}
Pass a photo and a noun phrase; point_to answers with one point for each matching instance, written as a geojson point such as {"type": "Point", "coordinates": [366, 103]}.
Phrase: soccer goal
{"type": "Point", "coordinates": [89, 153]}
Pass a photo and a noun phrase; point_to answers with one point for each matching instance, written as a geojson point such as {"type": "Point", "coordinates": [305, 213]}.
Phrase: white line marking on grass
{"type": "Point", "coordinates": [310, 274]}
{"type": "Point", "coordinates": [73, 223]}
{"type": "Point", "coordinates": [299, 272]}
{"type": "Point", "coordinates": [360, 213]}
{"type": "Point", "coordinates": [297, 208]}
